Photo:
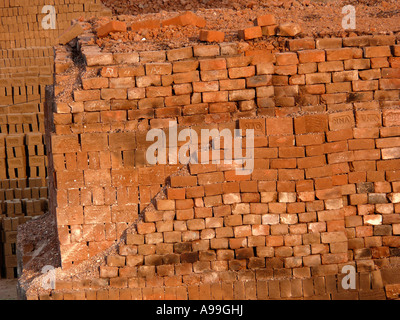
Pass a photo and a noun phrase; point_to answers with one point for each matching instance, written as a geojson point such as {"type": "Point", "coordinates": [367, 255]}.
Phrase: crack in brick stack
{"type": "Point", "coordinates": [324, 192]}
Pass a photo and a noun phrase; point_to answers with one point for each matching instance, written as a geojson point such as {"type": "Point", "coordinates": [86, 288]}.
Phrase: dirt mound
{"type": "Point", "coordinates": [320, 18]}
{"type": "Point", "coordinates": [315, 16]}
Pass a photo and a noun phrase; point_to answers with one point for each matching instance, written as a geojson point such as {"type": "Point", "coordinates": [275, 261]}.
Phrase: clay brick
{"type": "Point", "coordinates": [308, 56]}
{"type": "Point", "coordinates": [247, 105]}
{"type": "Point", "coordinates": [194, 109]}
{"type": "Point", "coordinates": [289, 29]}
{"type": "Point", "coordinates": [185, 66]}
{"type": "Point", "coordinates": [94, 83]}
{"type": "Point", "coordinates": [332, 258]}
{"type": "Point", "coordinates": [338, 87]}
{"type": "Point", "coordinates": [108, 94]}
{"type": "Point", "coordinates": [112, 26]}
{"type": "Point", "coordinates": [389, 84]}
{"type": "Point", "coordinates": [382, 62]}
{"type": "Point", "coordinates": [330, 66]}
{"type": "Point", "coordinates": [342, 76]}
{"type": "Point", "coordinates": [278, 126]}
{"type": "Point", "coordinates": [108, 272]}
{"type": "Point", "coordinates": [360, 85]}
{"type": "Point", "coordinates": [212, 64]}
{"type": "Point", "coordinates": [180, 54]}
{"type": "Point", "coordinates": [328, 43]}
{"type": "Point", "coordinates": [286, 70]}
{"type": "Point", "coordinates": [286, 58]}
{"type": "Point", "coordinates": [218, 96]}
{"type": "Point", "coordinates": [206, 50]}
{"type": "Point", "coordinates": [265, 68]}
{"type": "Point", "coordinates": [236, 84]}
{"type": "Point", "coordinates": [357, 64]}
{"type": "Point", "coordinates": [185, 19]}
{"type": "Point", "coordinates": [305, 68]}
{"type": "Point", "coordinates": [136, 93]}
{"type": "Point", "coordinates": [241, 72]}
{"type": "Point", "coordinates": [310, 124]}
{"type": "Point", "coordinates": [116, 83]}
{"type": "Point", "coordinates": [165, 205]}
{"type": "Point", "coordinates": [153, 92]}
{"type": "Point", "coordinates": [176, 193]}
{"type": "Point", "coordinates": [259, 81]}
{"type": "Point", "coordinates": [371, 74]}
{"type": "Point", "coordinates": [86, 95]}
{"type": "Point", "coordinates": [250, 33]}
{"type": "Point", "coordinates": [274, 241]}
{"type": "Point", "coordinates": [313, 78]}
{"type": "Point", "coordinates": [149, 80]}
{"type": "Point", "coordinates": [183, 181]}
{"type": "Point", "coordinates": [211, 36]}
{"type": "Point", "coordinates": [71, 33]}
{"type": "Point", "coordinates": [238, 95]}
{"type": "Point", "coordinates": [158, 68]}
{"type": "Point", "coordinates": [339, 54]}
{"type": "Point", "coordinates": [377, 51]}
{"type": "Point", "coordinates": [205, 86]}
{"type": "Point", "coordinates": [125, 71]}
{"type": "Point", "coordinates": [238, 62]}
{"type": "Point", "coordinates": [301, 44]}
{"type": "Point", "coordinates": [265, 20]}
{"type": "Point", "coordinates": [341, 121]}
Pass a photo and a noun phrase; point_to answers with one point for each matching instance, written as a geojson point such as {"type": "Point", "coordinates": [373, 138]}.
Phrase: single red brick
{"type": "Point", "coordinates": [145, 228]}
{"type": "Point", "coordinates": [112, 26]}
{"type": "Point", "coordinates": [286, 58]}
{"type": "Point", "coordinates": [250, 33]}
{"type": "Point", "coordinates": [274, 241]}
{"type": "Point", "coordinates": [366, 85]}
{"type": "Point", "coordinates": [389, 84]}
{"type": "Point", "coordinates": [339, 54]}
{"type": "Point", "coordinates": [188, 18]}
{"type": "Point", "coordinates": [86, 95]}
{"type": "Point", "coordinates": [301, 44]}
{"type": "Point", "coordinates": [71, 33]}
{"type": "Point", "coordinates": [381, 51]}
{"type": "Point", "coordinates": [211, 36]}
{"type": "Point", "coordinates": [306, 56]}
{"type": "Point", "coordinates": [213, 64]}
{"type": "Point", "coordinates": [241, 72]}
{"type": "Point", "coordinates": [276, 126]}
{"type": "Point", "coordinates": [289, 29]}
{"type": "Point", "coordinates": [183, 181]}
{"type": "Point", "coordinates": [265, 20]}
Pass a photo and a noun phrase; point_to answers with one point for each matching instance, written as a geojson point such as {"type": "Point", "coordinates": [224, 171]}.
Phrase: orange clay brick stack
{"type": "Point", "coordinates": [26, 67]}
{"type": "Point", "coordinates": [324, 192]}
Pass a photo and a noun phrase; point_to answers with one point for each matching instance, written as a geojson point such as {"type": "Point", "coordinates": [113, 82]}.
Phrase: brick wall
{"type": "Point", "coordinates": [324, 192]}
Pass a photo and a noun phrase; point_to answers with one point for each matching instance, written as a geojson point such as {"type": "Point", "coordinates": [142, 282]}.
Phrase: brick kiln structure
{"type": "Point", "coordinates": [324, 192]}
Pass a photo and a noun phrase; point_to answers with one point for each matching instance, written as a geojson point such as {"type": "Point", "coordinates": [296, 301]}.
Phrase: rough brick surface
{"type": "Point", "coordinates": [211, 36]}
{"type": "Point", "coordinates": [112, 26]}
{"type": "Point", "coordinates": [323, 193]}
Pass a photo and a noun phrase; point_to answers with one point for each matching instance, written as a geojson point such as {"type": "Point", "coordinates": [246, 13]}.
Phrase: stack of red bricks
{"type": "Point", "coordinates": [9, 244]}
{"type": "Point", "coordinates": [23, 189]}
{"type": "Point", "coordinates": [211, 83]}
{"type": "Point", "coordinates": [20, 200]}
{"type": "Point", "coordinates": [26, 67]}
{"type": "Point", "coordinates": [324, 192]}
